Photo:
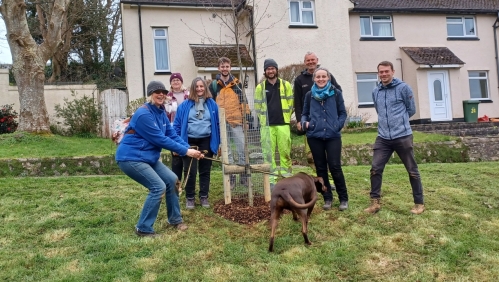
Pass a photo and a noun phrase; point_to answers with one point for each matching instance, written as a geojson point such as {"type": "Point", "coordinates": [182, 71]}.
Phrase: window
{"type": "Point", "coordinates": [376, 26]}
{"type": "Point", "coordinates": [366, 82]}
{"type": "Point", "coordinates": [161, 49]}
{"type": "Point", "coordinates": [461, 27]}
{"type": "Point", "coordinates": [302, 12]}
{"type": "Point", "coordinates": [479, 88]}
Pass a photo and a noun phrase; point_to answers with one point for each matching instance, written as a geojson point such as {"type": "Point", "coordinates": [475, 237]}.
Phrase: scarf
{"type": "Point", "coordinates": [322, 93]}
{"type": "Point", "coordinates": [199, 107]}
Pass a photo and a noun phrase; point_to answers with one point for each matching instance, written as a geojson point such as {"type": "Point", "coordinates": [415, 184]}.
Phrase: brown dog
{"type": "Point", "coordinates": [296, 194]}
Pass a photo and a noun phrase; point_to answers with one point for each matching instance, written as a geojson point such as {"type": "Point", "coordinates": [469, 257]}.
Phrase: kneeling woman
{"type": "Point", "coordinates": [197, 123]}
{"type": "Point", "coordinates": [323, 117]}
{"type": "Point", "coordinates": [138, 154]}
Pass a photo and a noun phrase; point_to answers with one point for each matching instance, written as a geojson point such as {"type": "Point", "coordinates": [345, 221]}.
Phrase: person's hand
{"type": "Point", "coordinates": [306, 125]}
{"type": "Point", "coordinates": [298, 125]}
{"type": "Point", "coordinates": [194, 154]}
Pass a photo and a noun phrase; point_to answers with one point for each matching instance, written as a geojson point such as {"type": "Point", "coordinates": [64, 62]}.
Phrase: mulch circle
{"type": "Point", "coordinates": [239, 210]}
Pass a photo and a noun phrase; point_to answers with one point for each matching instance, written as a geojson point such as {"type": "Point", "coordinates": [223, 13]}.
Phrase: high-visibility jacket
{"type": "Point", "coordinates": [286, 93]}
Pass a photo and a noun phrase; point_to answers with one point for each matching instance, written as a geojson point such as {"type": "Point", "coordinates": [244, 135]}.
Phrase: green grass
{"type": "Point", "coordinates": [22, 145]}
{"type": "Point", "coordinates": [81, 229]}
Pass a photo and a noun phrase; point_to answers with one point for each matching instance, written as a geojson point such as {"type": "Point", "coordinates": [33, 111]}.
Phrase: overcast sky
{"type": "Point", "coordinates": [5, 57]}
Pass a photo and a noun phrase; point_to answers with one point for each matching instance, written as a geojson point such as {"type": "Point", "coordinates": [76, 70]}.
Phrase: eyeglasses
{"type": "Point", "coordinates": [160, 92]}
{"type": "Point", "coordinates": [176, 80]}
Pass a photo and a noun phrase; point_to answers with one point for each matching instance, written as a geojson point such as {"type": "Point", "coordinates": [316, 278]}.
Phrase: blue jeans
{"type": "Point", "coordinates": [327, 154]}
{"type": "Point", "coordinates": [383, 149]}
{"type": "Point", "coordinates": [158, 179]}
{"type": "Point", "coordinates": [236, 134]}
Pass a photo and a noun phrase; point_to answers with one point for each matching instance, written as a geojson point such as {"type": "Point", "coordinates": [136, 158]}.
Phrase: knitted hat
{"type": "Point", "coordinates": [154, 86]}
{"type": "Point", "coordinates": [269, 63]}
{"type": "Point", "coordinates": [176, 75]}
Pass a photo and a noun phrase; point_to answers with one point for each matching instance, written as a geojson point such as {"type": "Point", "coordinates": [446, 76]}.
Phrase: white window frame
{"type": "Point", "coordinates": [165, 37]}
{"type": "Point", "coordinates": [301, 10]}
{"type": "Point", "coordinates": [371, 20]}
{"type": "Point", "coordinates": [486, 78]}
{"type": "Point", "coordinates": [370, 80]}
{"type": "Point", "coordinates": [463, 25]}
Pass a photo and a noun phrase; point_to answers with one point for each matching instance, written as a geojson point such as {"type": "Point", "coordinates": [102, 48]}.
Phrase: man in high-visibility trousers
{"type": "Point", "coordinates": [274, 104]}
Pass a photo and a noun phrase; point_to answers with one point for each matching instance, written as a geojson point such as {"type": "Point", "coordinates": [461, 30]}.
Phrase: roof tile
{"type": "Point", "coordinates": [432, 55]}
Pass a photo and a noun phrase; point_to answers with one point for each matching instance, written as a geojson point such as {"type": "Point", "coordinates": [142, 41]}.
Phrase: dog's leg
{"type": "Point", "coordinates": [295, 215]}
{"type": "Point", "coordinates": [274, 218]}
{"type": "Point", "coordinates": [309, 212]}
{"type": "Point", "coordinates": [304, 226]}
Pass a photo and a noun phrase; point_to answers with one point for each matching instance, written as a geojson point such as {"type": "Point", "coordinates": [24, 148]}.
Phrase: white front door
{"type": "Point", "coordinates": [438, 86]}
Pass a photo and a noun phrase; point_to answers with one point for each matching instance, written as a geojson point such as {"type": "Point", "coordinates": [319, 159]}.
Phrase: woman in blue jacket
{"type": "Point", "coordinates": [197, 123]}
{"type": "Point", "coordinates": [138, 155]}
{"type": "Point", "coordinates": [323, 117]}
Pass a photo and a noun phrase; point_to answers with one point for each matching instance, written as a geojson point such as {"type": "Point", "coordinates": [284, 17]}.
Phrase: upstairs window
{"type": "Point", "coordinates": [161, 50]}
{"type": "Point", "coordinates": [366, 82]}
{"type": "Point", "coordinates": [479, 85]}
{"type": "Point", "coordinates": [302, 12]}
{"type": "Point", "coordinates": [461, 27]}
{"type": "Point", "coordinates": [376, 26]}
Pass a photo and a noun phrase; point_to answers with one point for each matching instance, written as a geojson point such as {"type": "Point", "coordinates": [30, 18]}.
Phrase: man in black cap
{"type": "Point", "coordinates": [273, 104]}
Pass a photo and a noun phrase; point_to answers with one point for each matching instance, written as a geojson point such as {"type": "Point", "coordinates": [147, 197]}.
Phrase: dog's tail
{"type": "Point", "coordinates": [296, 205]}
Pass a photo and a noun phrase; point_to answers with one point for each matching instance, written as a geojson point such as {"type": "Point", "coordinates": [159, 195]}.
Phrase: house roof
{"type": "Point", "coordinates": [427, 6]}
{"type": "Point", "coordinates": [189, 3]}
{"type": "Point", "coordinates": [207, 55]}
{"type": "Point", "coordinates": [432, 56]}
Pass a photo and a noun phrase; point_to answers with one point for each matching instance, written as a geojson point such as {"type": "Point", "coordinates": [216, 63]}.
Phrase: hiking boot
{"type": "Point", "coordinates": [417, 209]}
{"type": "Point", "coordinates": [374, 207]}
{"type": "Point", "coordinates": [232, 181]}
{"type": "Point", "coordinates": [204, 202]}
{"type": "Point", "coordinates": [146, 234]}
{"type": "Point", "coordinates": [327, 205]}
{"type": "Point", "coordinates": [180, 226]}
{"type": "Point", "coordinates": [343, 205]}
{"type": "Point", "coordinates": [190, 204]}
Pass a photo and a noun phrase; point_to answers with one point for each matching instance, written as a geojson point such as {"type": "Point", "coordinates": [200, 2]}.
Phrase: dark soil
{"type": "Point", "coordinates": [239, 210]}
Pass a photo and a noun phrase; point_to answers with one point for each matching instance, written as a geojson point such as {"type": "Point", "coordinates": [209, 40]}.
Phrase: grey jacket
{"type": "Point", "coordinates": [394, 104]}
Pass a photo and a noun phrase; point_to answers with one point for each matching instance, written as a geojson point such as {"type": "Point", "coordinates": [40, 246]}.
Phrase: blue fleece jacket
{"type": "Point", "coordinates": [180, 123]}
{"type": "Point", "coordinates": [153, 132]}
{"type": "Point", "coordinates": [326, 118]}
{"type": "Point", "coordinates": [394, 104]}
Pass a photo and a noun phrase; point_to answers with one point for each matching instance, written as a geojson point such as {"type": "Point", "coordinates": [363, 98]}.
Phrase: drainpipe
{"type": "Point", "coordinates": [142, 55]}
{"type": "Point", "coordinates": [253, 44]}
{"type": "Point", "coordinates": [495, 26]}
{"type": "Point", "coordinates": [401, 69]}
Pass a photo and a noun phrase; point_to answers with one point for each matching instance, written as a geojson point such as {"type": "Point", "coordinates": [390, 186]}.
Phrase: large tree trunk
{"type": "Point", "coordinates": [29, 60]}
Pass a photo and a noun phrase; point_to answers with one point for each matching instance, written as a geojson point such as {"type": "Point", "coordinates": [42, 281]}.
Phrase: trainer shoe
{"type": "Point", "coordinates": [417, 209]}
{"type": "Point", "coordinates": [204, 202]}
{"type": "Point", "coordinates": [190, 204]}
{"type": "Point", "coordinates": [374, 207]}
{"type": "Point", "coordinates": [343, 205]}
{"type": "Point", "coordinates": [146, 234]}
{"type": "Point", "coordinates": [287, 174]}
{"type": "Point", "coordinates": [327, 205]}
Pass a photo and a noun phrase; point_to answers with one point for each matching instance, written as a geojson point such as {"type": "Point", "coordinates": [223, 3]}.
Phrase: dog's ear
{"type": "Point", "coordinates": [319, 184]}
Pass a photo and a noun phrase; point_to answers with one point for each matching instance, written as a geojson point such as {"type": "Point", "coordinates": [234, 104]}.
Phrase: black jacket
{"type": "Point", "coordinates": [303, 84]}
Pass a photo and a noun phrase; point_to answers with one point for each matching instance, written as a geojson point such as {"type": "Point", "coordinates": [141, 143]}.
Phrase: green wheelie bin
{"type": "Point", "coordinates": [470, 109]}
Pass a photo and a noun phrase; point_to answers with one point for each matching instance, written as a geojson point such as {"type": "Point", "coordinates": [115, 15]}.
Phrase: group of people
{"type": "Point", "coordinates": [186, 122]}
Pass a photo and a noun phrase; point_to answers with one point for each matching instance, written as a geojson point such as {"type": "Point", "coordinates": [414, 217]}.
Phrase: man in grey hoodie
{"type": "Point", "coordinates": [394, 102]}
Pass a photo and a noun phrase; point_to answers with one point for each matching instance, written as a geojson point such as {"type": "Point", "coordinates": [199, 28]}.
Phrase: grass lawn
{"type": "Point", "coordinates": [20, 145]}
{"type": "Point", "coordinates": [81, 229]}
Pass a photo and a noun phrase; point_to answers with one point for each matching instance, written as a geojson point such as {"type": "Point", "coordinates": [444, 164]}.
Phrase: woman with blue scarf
{"type": "Point", "coordinates": [323, 117]}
